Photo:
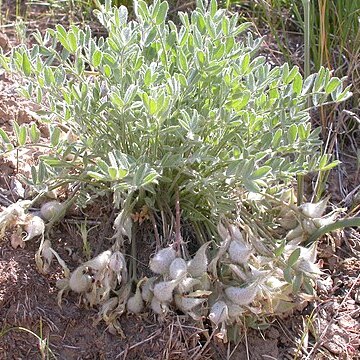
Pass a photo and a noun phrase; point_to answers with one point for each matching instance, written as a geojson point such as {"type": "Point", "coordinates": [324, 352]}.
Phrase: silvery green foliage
{"type": "Point", "coordinates": [154, 106]}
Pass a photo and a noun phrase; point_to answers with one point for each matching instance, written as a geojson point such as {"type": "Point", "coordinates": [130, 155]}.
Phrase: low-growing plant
{"type": "Point", "coordinates": [161, 115]}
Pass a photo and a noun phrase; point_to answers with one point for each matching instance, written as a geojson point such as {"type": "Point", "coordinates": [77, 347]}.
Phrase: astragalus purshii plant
{"type": "Point", "coordinates": [157, 112]}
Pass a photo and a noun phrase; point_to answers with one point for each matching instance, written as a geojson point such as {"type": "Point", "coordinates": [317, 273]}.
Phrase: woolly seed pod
{"type": "Point", "coordinates": [135, 303]}
{"type": "Point", "coordinates": [117, 262]}
{"type": "Point", "coordinates": [99, 262]}
{"type": "Point", "coordinates": [187, 285]}
{"type": "Point", "coordinates": [158, 307]}
{"type": "Point", "coordinates": [198, 265]}
{"type": "Point", "coordinates": [242, 296]}
{"type": "Point", "coordinates": [223, 231]}
{"type": "Point", "coordinates": [50, 209]}
{"type": "Point", "coordinates": [177, 268]}
{"type": "Point", "coordinates": [163, 290]}
{"type": "Point", "coordinates": [219, 312]}
{"type": "Point", "coordinates": [46, 252]}
{"type": "Point", "coordinates": [79, 280]}
{"type": "Point", "coordinates": [203, 283]}
{"type": "Point", "coordinates": [34, 227]}
{"type": "Point", "coordinates": [314, 210]}
{"type": "Point", "coordinates": [239, 252]}
{"type": "Point", "coordinates": [186, 304]}
{"type": "Point", "coordinates": [236, 234]}
{"type": "Point", "coordinates": [160, 263]}
{"type": "Point", "coordinates": [234, 310]}
{"type": "Point", "coordinates": [147, 289]}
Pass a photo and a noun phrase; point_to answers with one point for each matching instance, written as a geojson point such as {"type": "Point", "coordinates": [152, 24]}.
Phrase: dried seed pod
{"type": "Point", "coordinates": [295, 233]}
{"type": "Point", "coordinates": [314, 210]}
{"type": "Point", "coordinates": [204, 283]}
{"type": "Point", "coordinates": [158, 307]}
{"type": "Point", "coordinates": [242, 296]}
{"type": "Point", "coordinates": [239, 252]}
{"type": "Point", "coordinates": [186, 304]}
{"type": "Point", "coordinates": [308, 226]}
{"type": "Point", "coordinates": [308, 267]}
{"type": "Point", "coordinates": [135, 303]}
{"type": "Point", "coordinates": [320, 222]}
{"type": "Point", "coordinates": [198, 265]}
{"type": "Point", "coordinates": [50, 209]}
{"type": "Point", "coordinates": [236, 234]}
{"type": "Point", "coordinates": [99, 262]}
{"type": "Point", "coordinates": [34, 227]}
{"type": "Point", "coordinates": [234, 310]}
{"type": "Point", "coordinates": [147, 289]}
{"type": "Point", "coordinates": [187, 285]}
{"type": "Point", "coordinates": [219, 312]}
{"type": "Point", "coordinates": [79, 280]}
{"type": "Point", "coordinates": [160, 263]}
{"type": "Point", "coordinates": [223, 231]}
{"type": "Point", "coordinates": [177, 268]}
{"type": "Point", "coordinates": [46, 253]}
{"type": "Point", "coordinates": [117, 262]}
{"type": "Point", "coordinates": [273, 283]}
{"type": "Point", "coordinates": [163, 290]}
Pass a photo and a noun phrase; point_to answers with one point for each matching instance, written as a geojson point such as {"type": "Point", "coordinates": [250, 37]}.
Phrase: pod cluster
{"type": "Point", "coordinates": [97, 279]}
{"type": "Point", "coordinates": [179, 284]}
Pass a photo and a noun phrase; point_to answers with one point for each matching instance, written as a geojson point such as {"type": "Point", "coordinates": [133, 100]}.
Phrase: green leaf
{"type": "Point", "coordinates": [292, 134]}
{"type": "Point", "coordinates": [55, 136]}
{"type": "Point", "coordinates": [297, 84]}
{"type": "Point", "coordinates": [96, 58]}
{"type": "Point", "coordinates": [22, 135]}
{"type": "Point", "coordinates": [279, 250]}
{"type": "Point", "coordinates": [293, 258]}
{"type": "Point", "coordinates": [332, 85]}
{"type": "Point", "coordinates": [161, 15]}
{"type": "Point", "coordinates": [26, 65]}
{"type": "Point", "coordinates": [112, 171]}
{"type": "Point", "coordinates": [4, 136]}
{"type": "Point", "coordinates": [260, 172]}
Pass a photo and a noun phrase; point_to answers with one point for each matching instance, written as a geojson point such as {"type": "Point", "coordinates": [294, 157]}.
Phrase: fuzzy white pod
{"type": "Point", "coordinates": [223, 231]}
{"type": "Point", "coordinates": [242, 296]}
{"type": "Point", "coordinates": [135, 303]}
{"type": "Point", "coordinates": [178, 268]}
{"type": "Point", "coordinates": [117, 262]}
{"type": "Point", "coordinates": [309, 226]}
{"type": "Point", "coordinates": [147, 289]}
{"type": "Point", "coordinates": [236, 234]}
{"type": "Point", "coordinates": [163, 290]}
{"type": "Point", "coordinates": [158, 307]}
{"type": "Point", "coordinates": [234, 310]}
{"type": "Point", "coordinates": [199, 263]}
{"type": "Point", "coordinates": [46, 252]}
{"type": "Point", "coordinates": [239, 252]}
{"type": "Point", "coordinates": [314, 210]}
{"type": "Point", "coordinates": [80, 281]}
{"type": "Point", "coordinates": [50, 209]}
{"type": "Point", "coordinates": [204, 283]}
{"type": "Point", "coordinates": [219, 312]}
{"type": "Point", "coordinates": [187, 285]}
{"type": "Point", "coordinates": [99, 262]}
{"type": "Point", "coordinates": [34, 227]}
{"type": "Point", "coordinates": [295, 233]}
{"type": "Point", "coordinates": [186, 304]}
{"type": "Point", "coordinates": [324, 221]}
{"type": "Point", "coordinates": [162, 260]}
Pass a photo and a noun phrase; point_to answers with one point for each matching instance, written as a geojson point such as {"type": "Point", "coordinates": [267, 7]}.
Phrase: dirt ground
{"type": "Point", "coordinates": [327, 328]}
